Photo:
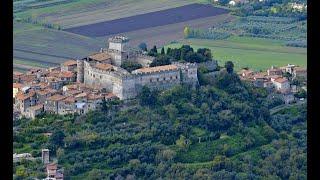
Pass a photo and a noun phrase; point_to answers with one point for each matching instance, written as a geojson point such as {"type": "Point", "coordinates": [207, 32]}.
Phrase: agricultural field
{"type": "Point", "coordinates": [73, 13]}
{"type": "Point", "coordinates": [255, 53]}
{"type": "Point", "coordinates": [52, 46]}
{"type": "Point", "coordinates": [47, 47]}
{"type": "Point", "coordinates": [162, 35]}
{"type": "Point", "coordinates": [159, 18]}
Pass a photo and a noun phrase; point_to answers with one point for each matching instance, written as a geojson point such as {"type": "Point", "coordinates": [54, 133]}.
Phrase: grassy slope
{"type": "Point", "coordinates": [255, 53]}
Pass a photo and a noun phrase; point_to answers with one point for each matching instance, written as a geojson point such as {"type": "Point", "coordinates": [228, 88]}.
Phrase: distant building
{"type": "Point", "coordinates": [299, 72]}
{"type": "Point", "coordinates": [70, 65]}
{"type": "Point", "coordinates": [19, 157]}
{"type": "Point", "coordinates": [51, 170]}
{"type": "Point", "coordinates": [281, 84]}
{"type": "Point", "coordinates": [274, 71]}
{"type": "Point", "coordinates": [45, 156]}
{"type": "Point", "coordinates": [33, 111]}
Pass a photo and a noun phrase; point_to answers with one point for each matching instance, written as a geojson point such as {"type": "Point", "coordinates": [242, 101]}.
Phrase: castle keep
{"type": "Point", "coordinates": [102, 70]}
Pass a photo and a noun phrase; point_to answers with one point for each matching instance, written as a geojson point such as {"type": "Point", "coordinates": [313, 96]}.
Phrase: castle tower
{"type": "Point", "coordinates": [118, 43]}
{"type": "Point", "coordinates": [119, 46]}
{"type": "Point", "coordinates": [80, 71]}
{"type": "Point", "coordinates": [45, 156]}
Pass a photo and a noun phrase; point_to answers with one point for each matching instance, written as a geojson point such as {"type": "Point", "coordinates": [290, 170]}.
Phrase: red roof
{"type": "Point", "coordinates": [56, 97]}
{"type": "Point", "coordinates": [70, 63]}
{"type": "Point", "coordinates": [281, 80]}
{"type": "Point", "coordinates": [66, 74]}
{"type": "Point", "coordinates": [22, 96]}
{"type": "Point", "coordinates": [52, 166]}
{"type": "Point", "coordinates": [17, 85]}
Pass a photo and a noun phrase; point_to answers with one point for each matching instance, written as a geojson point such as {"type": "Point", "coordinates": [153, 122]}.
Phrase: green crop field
{"type": "Point", "coordinates": [255, 53]}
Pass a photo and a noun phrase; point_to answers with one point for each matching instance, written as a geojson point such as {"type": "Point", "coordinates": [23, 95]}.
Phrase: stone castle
{"type": "Point", "coordinates": [78, 86]}
{"type": "Point", "coordinates": [103, 71]}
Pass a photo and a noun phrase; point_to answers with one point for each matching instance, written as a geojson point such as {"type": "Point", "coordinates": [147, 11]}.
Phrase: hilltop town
{"type": "Point", "coordinates": [78, 86]}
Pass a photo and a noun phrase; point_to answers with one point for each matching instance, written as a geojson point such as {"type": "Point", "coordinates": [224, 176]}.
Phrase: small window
{"type": "Point", "coordinates": [100, 77]}
{"type": "Point", "coordinates": [150, 80]}
{"type": "Point", "coordinates": [157, 79]}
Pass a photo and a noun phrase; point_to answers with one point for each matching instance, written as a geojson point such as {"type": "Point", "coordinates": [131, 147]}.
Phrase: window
{"type": "Point", "coordinates": [157, 79]}
{"type": "Point", "coordinates": [150, 80]}
{"type": "Point", "coordinates": [100, 77]}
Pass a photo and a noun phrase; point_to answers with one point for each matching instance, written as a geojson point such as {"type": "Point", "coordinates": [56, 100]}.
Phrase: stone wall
{"type": "Point", "coordinates": [109, 80]}
{"type": "Point", "coordinates": [210, 65]}
{"type": "Point", "coordinates": [80, 71]}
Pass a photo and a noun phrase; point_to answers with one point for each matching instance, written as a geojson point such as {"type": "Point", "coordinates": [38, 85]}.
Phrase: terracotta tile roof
{"type": "Point", "coordinates": [16, 73]}
{"type": "Point", "coordinates": [81, 95]}
{"type": "Point", "coordinates": [110, 96]}
{"type": "Point", "coordinates": [93, 96]}
{"type": "Point", "coordinates": [52, 166]}
{"type": "Point", "coordinates": [71, 86]}
{"type": "Point", "coordinates": [22, 96]}
{"type": "Point", "coordinates": [52, 91]}
{"type": "Point", "coordinates": [73, 92]}
{"type": "Point", "coordinates": [54, 73]}
{"type": "Point", "coordinates": [281, 80]}
{"type": "Point", "coordinates": [70, 63]}
{"type": "Point", "coordinates": [28, 78]}
{"type": "Point", "coordinates": [104, 66]}
{"type": "Point", "coordinates": [246, 72]}
{"type": "Point", "coordinates": [43, 92]}
{"type": "Point", "coordinates": [69, 99]}
{"type": "Point", "coordinates": [56, 97]}
{"type": "Point", "coordinates": [17, 85]}
{"type": "Point", "coordinates": [36, 107]}
{"type": "Point", "coordinates": [156, 69]}
{"type": "Point", "coordinates": [66, 74]}
{"type": "Point", "coordinates": [101, 56]}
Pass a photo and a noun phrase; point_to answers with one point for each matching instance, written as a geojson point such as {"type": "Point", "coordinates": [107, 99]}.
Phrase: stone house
{"type": "Point", "coordinates": [299, 72]}
{"type": "Point", "coordinates": [67, 106]}
{"type": "Point", "coordinates": [54, 83]}
{"type": "Point", "coordinates": [43, 94]}
{"type": "Point", "coordinates": [246, 73]}
{"type": "Point", "coordinates": [281, 84]}
{"type": "Point", "coordinates": [288, 98]}
{"type": "Point", "coordinates": [67, 76]}
{"type": "Point", "coordinates": [25, 100]}
{"type": "Point", "coordinates": [51, 170]}
{"type": "Point", "coordinates": [33, 111]}
{"type": "Point", "coordinates": [16, 87]}
{"type": "Point", "coordinates": [274, 71]}
{"type": "Point", "coordinates": [70, 65]}
{"type": "Point", "coordinates": [258, 80]}
{"type": "Point", "coordinates": [52, 103]}
{"type": "Point", "coordinates": [17, 76]}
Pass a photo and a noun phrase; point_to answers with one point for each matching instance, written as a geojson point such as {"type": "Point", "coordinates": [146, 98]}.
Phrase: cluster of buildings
{"type": "Point", "coordinates": [81, 85]}
{"type": "Point", "coordinates": [275, 79]}
{"type": "Point", "coordinates": [53, 173]}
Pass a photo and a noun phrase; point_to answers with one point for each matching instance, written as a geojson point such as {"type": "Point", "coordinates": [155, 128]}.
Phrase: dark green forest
{"type": "Point", "coordinates": [221, 129]}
